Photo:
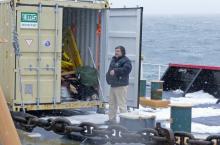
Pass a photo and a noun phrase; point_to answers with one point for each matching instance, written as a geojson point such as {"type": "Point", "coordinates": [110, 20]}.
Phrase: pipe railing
{"type": "Point", "coordinates": [150, 71]}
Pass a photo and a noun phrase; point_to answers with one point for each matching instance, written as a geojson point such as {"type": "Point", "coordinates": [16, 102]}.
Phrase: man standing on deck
{"type": "Point", "coordinates": [118, 77]}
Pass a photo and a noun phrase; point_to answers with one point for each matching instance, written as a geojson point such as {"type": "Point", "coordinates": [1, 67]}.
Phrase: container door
{"type": "Point", "coordinates": [122, 27]}
{"type": "Point", "coordinates": [38, 64]}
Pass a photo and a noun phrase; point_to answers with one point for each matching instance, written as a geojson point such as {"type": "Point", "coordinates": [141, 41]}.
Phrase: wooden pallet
{"type": "Point", "coordinates": [154, 103]}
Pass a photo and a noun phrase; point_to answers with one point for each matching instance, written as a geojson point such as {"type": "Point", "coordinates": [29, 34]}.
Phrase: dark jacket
{"type": "Point", "coordinates": [122, 67]}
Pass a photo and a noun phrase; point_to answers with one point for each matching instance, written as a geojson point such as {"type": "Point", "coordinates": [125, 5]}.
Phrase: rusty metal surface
{"type": "Point", "coordinates": [8, 134]}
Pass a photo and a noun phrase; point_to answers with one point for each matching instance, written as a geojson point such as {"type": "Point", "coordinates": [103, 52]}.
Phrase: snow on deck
{"type": "Point", "coordinates": [204, 107]}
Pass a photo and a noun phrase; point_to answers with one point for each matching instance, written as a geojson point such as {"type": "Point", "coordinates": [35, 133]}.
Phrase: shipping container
{"type": "Point", "coordinates": [31, 40]}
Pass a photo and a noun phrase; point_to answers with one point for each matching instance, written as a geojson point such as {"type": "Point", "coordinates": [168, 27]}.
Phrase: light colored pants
{"type": "Point", "coordinates": [117, 99]}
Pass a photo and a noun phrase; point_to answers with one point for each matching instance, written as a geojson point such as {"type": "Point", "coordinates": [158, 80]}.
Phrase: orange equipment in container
{"type": "Point", "coordinates": [98, 37]}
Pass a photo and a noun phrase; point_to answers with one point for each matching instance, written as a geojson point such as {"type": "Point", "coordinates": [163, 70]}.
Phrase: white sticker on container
{"type": "Point", "coordinates": [29, 20]}
{"type": "Point", "coordinates": [28, 89]}
{"type": "Point", "coordinates": [47, 43]}
{"type": "Point", "coordinates": [29, 41]}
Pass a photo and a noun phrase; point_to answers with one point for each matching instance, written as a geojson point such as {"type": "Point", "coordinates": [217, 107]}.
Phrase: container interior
{"type": "Point", "coordinates": [83, 23]}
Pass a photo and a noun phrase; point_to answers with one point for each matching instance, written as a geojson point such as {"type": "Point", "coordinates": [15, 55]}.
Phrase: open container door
{"type": "Point", "coordinates": [122, 26]}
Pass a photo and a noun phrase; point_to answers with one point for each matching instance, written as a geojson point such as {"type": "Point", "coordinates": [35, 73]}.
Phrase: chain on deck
{"type": "Point", "coordinates": [113, 133]}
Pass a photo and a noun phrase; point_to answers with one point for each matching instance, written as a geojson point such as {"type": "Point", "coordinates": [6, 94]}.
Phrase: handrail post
{"type": "Point", "coordinates": [8, 133]}
{"type": "Point", "coordinates": [159, 71]}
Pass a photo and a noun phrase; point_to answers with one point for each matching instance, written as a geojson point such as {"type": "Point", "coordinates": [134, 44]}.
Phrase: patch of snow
{"type": "Point", "coordinates": [34, 135]}
{"type": "Point", "coordinates": [198, 129]}
{"type": "Point", "coordinates": [195, 98]}
{"type": "Point", "coordinates": [201, 128]}
{"type": "Point", "coordinates": [164, 114]}
{"type": "Point", "coordinates": [161, 114]}
{"type": "Point", "coordinates": [144, 109]}
{"type": "Point", "coordinates": [93, 118]}
{"type": "Point", "coordinates": [178, 91]}
{"type": "Point", "coordinates": [205, 112]}
{"type": "Point", "coordinates": [77, 119]}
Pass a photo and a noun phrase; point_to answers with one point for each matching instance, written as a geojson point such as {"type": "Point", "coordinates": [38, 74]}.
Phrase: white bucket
{"type": "Point", "coordinates": [65, 92]}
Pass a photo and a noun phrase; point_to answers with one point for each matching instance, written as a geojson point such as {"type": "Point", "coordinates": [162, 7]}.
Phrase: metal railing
{"type": "Point", "coordinates": [151, 71]}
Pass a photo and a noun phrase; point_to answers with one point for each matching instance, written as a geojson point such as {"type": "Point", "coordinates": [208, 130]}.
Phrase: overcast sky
{"type": "Point", "coordinates": [172, 6]}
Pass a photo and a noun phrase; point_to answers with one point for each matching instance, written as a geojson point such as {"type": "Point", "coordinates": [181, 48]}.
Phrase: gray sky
{"type": "Point", "coordinates": [172, 6]}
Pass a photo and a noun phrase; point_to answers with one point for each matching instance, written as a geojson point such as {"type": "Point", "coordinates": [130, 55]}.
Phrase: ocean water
{"type": "Point", "coordinates": [181, 39]}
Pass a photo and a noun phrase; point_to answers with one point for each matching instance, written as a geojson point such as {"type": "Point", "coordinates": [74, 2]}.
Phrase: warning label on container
{"type": "Point", "coordinates": [28, 89]}
{"type": "Point", "coordinates": [29, 20]}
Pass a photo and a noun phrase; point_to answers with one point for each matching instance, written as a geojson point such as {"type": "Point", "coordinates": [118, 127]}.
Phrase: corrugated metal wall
{"type": "Point", "coordinates": [85, 21]}
{"type": "Point", "coordinates": [6, 50]}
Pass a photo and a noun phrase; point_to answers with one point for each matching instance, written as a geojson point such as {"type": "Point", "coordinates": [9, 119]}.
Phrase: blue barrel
{"type": "Point", "coordinates": [136, 122]}
{"type": "Point", "coordinates": [181, 116]}
{"type": "Point", "coordinates": [157, 90]}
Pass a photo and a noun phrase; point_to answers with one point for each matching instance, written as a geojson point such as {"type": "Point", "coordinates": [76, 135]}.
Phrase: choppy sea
{"type": "Point", "coordinates": [180, 39]}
